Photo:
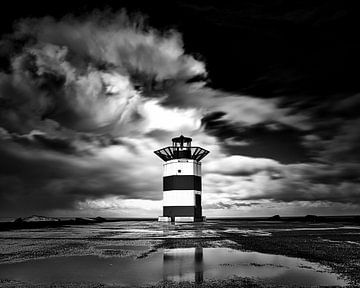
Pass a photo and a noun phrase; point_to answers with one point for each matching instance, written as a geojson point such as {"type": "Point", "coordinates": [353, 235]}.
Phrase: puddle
{"type": "Point", "coordinates": [188, 264]}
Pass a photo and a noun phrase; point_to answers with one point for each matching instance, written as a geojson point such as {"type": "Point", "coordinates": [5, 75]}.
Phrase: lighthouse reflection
{"type": "Point", "coordinates": [183, 265]}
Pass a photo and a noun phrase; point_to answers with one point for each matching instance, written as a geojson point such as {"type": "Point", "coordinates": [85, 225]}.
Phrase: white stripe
{"type": "Point", "coordinates": [182, 167]}
{"type": "Point", "coordinates": [179, 197]}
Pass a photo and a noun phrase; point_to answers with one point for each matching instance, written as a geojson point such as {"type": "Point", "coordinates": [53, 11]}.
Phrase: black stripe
{"type": "Point", "coordinates": [182, 182]}
{"type": "Point", "coordinates": [182, 211]}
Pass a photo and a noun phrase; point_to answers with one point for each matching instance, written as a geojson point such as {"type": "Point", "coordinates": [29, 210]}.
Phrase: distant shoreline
{"type": "Point", "coordinates": [11, 219]}
{"type": "Point", "coordinates": [22, 223]}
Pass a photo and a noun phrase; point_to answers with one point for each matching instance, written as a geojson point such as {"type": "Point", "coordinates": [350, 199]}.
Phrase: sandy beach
{"type": "Point", "coordinates": [152, 254]}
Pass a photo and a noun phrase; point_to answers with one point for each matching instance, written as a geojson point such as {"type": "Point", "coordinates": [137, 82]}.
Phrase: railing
{"type": "Point", "coordinates": [171, 152]}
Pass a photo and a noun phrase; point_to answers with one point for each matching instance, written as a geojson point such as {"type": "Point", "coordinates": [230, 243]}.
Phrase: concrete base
{"type": "Point", "coordinates": [164, 219]}
{"type": "Point", "coordinates": [187, 219]}
{"type": "Point", "coordinates": [184, 219]}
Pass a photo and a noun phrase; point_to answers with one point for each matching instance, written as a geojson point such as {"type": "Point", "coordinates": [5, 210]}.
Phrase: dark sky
{"type": "Point", "coordinates": [270, 86]}
{"type": "Point", "coordinates": [266, 49]}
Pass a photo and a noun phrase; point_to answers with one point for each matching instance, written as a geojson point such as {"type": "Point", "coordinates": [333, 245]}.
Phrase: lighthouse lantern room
{"type": "Point", "coordinates": [182, 181]}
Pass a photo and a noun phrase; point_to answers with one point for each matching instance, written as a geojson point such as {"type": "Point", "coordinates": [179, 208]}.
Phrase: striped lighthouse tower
{"type": "Point", "coordinates": [182, 181]}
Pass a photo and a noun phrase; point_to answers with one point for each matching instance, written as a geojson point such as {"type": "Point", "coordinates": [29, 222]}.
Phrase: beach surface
{"type": "Point", "coordinates": [215, 253]}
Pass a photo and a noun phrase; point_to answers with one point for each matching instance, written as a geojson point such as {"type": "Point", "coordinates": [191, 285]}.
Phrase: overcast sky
{"type": "Point", "coordinates": [87, 94]}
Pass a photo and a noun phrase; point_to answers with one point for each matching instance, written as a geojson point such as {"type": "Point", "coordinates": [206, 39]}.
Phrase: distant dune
{"type": "Point", "coordinates": [36, 218]}
{"type": "Point", "coordinates": [36, 221]}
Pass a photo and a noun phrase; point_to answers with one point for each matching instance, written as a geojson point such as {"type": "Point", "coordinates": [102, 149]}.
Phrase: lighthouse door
{"type": "Point", "coordinates": [197, 200]}
{"type": "Point", "coordinates": [198, 212]}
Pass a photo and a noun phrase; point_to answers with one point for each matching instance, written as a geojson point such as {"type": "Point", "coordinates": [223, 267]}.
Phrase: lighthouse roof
{"type": "Point", "coordinates": [181, 139]}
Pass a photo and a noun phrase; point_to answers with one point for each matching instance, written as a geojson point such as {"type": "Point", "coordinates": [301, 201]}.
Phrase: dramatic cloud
{"type": "Point", "coordinates": [241, 110]}
{"type": "Point", "coordinates": [34, 179]}
{"type": "Point", "coordinates": [85, 101]}
{"type": "Point", "coordinates": [73, 113]}
{"type": "Point", "coordinates": [268, 180]}
{"type": "Point", "coordinates": [240, 165]}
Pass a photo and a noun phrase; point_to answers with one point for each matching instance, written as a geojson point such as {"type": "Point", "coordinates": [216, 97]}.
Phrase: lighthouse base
{"type": "Point", "coordinates": [181, 219]}
{"type": "Point", "coordinates": [164, 219]}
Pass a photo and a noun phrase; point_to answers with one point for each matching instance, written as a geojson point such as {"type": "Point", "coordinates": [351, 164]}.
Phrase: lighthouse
{"type": "Point", "coordinates": [182, 181]}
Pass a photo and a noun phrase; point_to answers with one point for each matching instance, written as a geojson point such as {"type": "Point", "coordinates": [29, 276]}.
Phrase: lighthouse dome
{"type": "Point", "coordinates": [181, 139]}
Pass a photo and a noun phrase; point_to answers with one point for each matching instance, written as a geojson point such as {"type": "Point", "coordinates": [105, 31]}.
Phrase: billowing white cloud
{"type": "Point", "coordinates": [241, 165]}
{"type": "Point", "coordinates": [156, 116]}
{"type": "Point", "coordinates": [117, 40]}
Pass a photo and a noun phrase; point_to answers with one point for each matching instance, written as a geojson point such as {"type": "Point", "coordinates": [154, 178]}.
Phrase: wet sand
{"type": "Point", "coordinates": [334, 247]}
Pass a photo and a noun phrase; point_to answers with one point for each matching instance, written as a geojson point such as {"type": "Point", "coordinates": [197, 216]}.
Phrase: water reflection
{"type": "Point", "coordinates": [202, 264]}
{"type": "Point", "coordinates": [199, 275]}
{"type": "Point", "coordinates": [183, 264]}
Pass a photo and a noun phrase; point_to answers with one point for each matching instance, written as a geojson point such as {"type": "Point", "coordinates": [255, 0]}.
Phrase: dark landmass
{"type": "Point", "coordinates": [37, 218]}
{"type": "Point", "coordinates": [36, 222]}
